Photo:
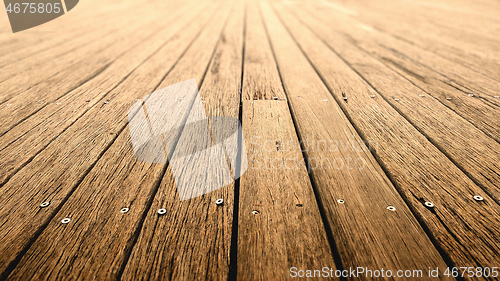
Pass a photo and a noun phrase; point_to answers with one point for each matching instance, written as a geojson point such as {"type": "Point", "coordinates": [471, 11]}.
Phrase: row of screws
{"type": "Point", "coordinates": [220, 201]}
{"type": "Point", "coordinates": [427, 203]}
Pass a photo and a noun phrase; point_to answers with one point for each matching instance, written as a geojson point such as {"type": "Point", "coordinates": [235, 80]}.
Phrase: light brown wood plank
{"type": "Point", "coordinates": [55, 116]}
{"type": "Point", "coordinates": [279, 223]}
{"type": "Point", "coordinates": [260, 79]}
{"type": "Point", "coordinates": [66, 29]}
{"type": "Point", "coordinates": [38, 75]}
{"type": "Point", "coordinates": [465, 229]}
{"type": "Point", "coordinates": [439, 77]}
{"type": "Point", "coordinates": [366, 233]}
{"type": "Point", "coordinates": [469, 148]}
{"type": "Point", "coordinates": [459, 46]}
{"type": "Point", "coordinates": [72, 154]}
{"type": "Point", "coordinates": [192, 240]}
{"type": "Point", "coordinates": [117, 180]}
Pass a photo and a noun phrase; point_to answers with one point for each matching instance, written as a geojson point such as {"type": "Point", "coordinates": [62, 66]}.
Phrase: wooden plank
{"type": "Point", "coordinates": [287, 231]}
{"type": "Point", "coordinates": [17, 144]}
{"type": "Point", "coordinates": [68, 30]}
{"type": "Point", "coordinates": [466, 230]}
{"type": "Point", "coordinates": [468, 147]}
{"type": "Point", "coordinates": [48, 63]}
{"type": "Point", "coordinates": [469, 49]}
{"type": "Point", "coordinates": [260, 79]}
{"type": "Point", "coordinates": [450, 83]}
{"type": "Point", "coordinates": [72, 155]}
{"type": "Point", "coordinates": [192, 240]}
{"type": "Point", "coordinates": [343, 168]}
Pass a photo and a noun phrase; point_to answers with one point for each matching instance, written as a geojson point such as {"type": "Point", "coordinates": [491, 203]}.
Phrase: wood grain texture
{"type": "Point", "coordinates": [395, 103]}
{"type": "Point", "coordinates": [469, 148]}
{"type": "Point", "coordinates": [54, 117]}
{"type": "Point", "coordinates": [449, 82]}
{"type": "Point", "coordinates": [412, 162]}
{"type": "Point", "coordinates": [192, 240]}
{"type": "Point", "coordinates": [102, 232]}
{"type": "Point", "coordinates": [260, 79]}
{"type": "Point", "coordinates": [279, 223]}
{"type": "Point", "coordinates": [343, 168]}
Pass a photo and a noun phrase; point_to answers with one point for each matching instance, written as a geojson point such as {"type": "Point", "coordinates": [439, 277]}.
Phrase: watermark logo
{"type": "Point", "coordinates": [25, 14]}
{"type": "Point", "coordinates": [204, 153]}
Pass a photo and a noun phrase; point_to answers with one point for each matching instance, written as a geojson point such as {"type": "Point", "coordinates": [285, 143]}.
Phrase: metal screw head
{"type": "Point", "coordinates": [161, 211]}
{"type": "Point", "coordinates": [124, 210]}
{"type": "Point", "coordinates": [106, 102]}
{"type": "Point", "coordinates": [448, 98]}
{"type": "Point", "coordinates": [65, 220]}
{"type": "Point", "coordinates": [478, 198]}
{"type": "Point", "coordinates": [396, 99]}
{"type": "Point", "coordinates": [372, 96]}
{"type": "Point", "coordinates": [219, 201]}
{"type": "Point", "coordinates": [340, 201]}
{"type": "Point", "coordinates": [325, 100]}
{"type": "Point", "coordinates": [471, 95]}
{"type": "Point", "coordinates": [421, 96]}
{"type": "Point", "coordinates": [429, 204]}
{"type": "Point", "coordinates": [391, 208]}
{"type": "Point", "coordinates": [255, 212]}
{"type": "Point", "coordinates": [44, 204]}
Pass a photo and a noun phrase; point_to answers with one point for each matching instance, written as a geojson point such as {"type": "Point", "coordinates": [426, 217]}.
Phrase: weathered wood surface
{"type": "Point", "coordinates": [408, 90]}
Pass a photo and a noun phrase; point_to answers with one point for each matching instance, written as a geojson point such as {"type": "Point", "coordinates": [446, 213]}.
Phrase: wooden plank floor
{"type": "Point", "coordinates": [372, 132]}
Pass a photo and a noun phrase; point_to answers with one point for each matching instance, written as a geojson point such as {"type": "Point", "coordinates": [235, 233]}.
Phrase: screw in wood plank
{"type": "Point", "coordinates": [471, 95]}
{"type": "Point", "coordinates": [396, 99]}
{"type": "Point", "coordinates": [255, 212]}
{"type": "Point", "coordinates": [58, 103]}
{"type": "Point", "coordinates": [124, 210]}
{"type": "Point", "coordinates": [106, 102]}
{"type": "Point", "coordinates": [66, 220]}
{"type": "Point", "coordinates": [340, 201]}
{"type": "Point", "coordinates": [344, 96]}
{"type": "Point", "coordinates": [161, 211]}
{"type": "Point", "coordinates": [219, 201]}
{"type": "Point", "coordinates": [203, 101]}
{"type": "Point", "coordinates": [44, 204]}
{"type": "Point", "coordinates": [325, 100]}
{"type": "Point", "coordinates": [448, 98]}
{"type": "Point", "coordinates": [421, 96]}
{"type": "Point", "coordinates": [478, 198]}
{"type": "Point", "coordinates": [429, 204]}
{"type": "Point", "coordinates": [391, 208]}
{"type": "Point", "coordinates": [252, 102]}
{"type": "Point", "coordinates": [372, 96]}
{"type": "Point", "coordinates": [275, 98]}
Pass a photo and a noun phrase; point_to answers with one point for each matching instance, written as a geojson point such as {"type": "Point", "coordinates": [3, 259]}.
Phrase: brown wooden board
{"type": "Point", "coordinates": [280, 230]}
{"type": "Point", "coordinates": [465, 230]}
{"type": "Point", "coordinates": [191, 241]}
{"type": "Point", "coordinates": [74, 153]}
{"type": "Point", "coordinates": [449, 82]}
{"type": "Point", "coordinates": [261, 80]}
{"type": "Point", "coordinates": [367, 231]}
{"type": "Point", "coordinates": [469, 148]}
